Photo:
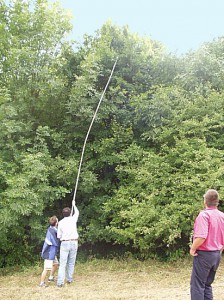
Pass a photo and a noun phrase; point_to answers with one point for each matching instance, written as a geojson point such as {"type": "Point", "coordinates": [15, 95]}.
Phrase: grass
{"type": "Point", "coordinates": [109, 280]}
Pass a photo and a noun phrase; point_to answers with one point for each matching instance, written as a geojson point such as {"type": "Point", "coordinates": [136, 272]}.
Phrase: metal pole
{"type": "Point", "coordinates": [87, 135]}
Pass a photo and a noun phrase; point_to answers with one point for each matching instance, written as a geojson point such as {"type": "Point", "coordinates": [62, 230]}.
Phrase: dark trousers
{"type": "Point", "coordinates": [204, 268]}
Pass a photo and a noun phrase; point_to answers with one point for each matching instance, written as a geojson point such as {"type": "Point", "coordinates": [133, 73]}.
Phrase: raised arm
{"type": "Point", "coordinates": [76, 211]}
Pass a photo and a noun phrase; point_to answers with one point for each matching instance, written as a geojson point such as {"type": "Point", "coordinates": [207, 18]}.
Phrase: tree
{"type": "Point", "coordinates": [156, 138]}
{"type": "Point", "coordinates": [33, 94]}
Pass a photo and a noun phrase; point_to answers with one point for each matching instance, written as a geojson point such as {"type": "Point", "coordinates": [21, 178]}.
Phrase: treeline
{"type": "Point", "coordinates": [155, 147]}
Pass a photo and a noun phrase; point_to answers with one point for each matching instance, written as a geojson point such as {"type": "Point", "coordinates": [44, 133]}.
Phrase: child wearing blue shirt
{"type": "Point", "coordinates": [49, 252]}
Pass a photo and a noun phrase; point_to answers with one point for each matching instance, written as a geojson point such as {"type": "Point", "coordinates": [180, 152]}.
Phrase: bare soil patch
{"type": "Point", "coordinates": [110, 280]}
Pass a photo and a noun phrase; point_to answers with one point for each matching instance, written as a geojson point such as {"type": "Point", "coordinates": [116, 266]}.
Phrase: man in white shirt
{"type": "Point", "coordinates": [68, 235]}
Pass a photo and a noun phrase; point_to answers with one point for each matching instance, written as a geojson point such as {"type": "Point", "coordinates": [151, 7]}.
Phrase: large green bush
{"type": "Point", "coordinates": [155, 147]}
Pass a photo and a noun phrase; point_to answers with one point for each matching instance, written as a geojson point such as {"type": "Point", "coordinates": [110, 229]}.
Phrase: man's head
{"type": "Point", "coordinates": [66, 212]}
{"type": "Point", "coordinates": [53, 221]}
{"type": "Point", "coordinates": [211, 198]}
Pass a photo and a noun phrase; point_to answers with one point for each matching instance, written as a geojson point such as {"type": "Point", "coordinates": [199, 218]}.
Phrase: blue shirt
{"type": "Point", "coordinates": [51, 244]}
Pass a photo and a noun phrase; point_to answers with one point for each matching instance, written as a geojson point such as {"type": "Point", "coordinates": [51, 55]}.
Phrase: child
{"type": "Point", "coordinates": [49, 251]}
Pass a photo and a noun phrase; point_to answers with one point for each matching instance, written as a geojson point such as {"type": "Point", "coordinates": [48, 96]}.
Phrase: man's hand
{"type": "Point", "coordinates": [198, 241]}
{"type": "Point", "coordinates": [193, 252]}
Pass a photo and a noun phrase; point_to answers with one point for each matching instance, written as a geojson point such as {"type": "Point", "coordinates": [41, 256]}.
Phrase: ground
{"type": "Point", "coordinates": [109, 280]}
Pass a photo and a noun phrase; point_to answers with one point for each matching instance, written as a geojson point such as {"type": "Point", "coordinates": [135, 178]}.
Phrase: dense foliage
{"type": "Point", "coordinates": [155, 146]}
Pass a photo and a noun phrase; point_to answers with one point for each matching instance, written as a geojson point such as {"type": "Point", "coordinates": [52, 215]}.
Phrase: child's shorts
{"type": "Point", "coordinates": [48, 264]}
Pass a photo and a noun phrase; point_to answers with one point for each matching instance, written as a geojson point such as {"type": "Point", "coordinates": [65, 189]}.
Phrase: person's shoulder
{"type": "Point", "coordinates": [60, 222]}
{"type": "Point", "coordinates": [204, 213]}
{"type": "Point", "coordinates": [64, 220]}
{"type": "Point", "coordinates": [221, 212]}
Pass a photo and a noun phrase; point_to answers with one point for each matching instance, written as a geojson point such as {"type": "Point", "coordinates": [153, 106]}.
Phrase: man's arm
{"type": "Point", "coordinates": [76, 211]}
{"type": "Point", "coordinates": [197, 243]}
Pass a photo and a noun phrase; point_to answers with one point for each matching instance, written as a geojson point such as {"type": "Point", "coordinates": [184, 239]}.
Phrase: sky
{"type": "Point", "coordinates": [181, 25]}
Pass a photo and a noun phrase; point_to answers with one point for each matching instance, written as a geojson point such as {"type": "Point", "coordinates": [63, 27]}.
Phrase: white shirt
{"type": "Point", "coordinates": [67, 227]}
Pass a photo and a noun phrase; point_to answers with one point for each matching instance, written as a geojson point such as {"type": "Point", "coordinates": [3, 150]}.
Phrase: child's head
{"type": "Point", "coordinates": [53, 221]}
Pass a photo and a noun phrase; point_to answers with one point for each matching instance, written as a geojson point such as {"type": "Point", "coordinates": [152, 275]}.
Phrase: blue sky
{"type": "Point", "coordinates": [181, 25]}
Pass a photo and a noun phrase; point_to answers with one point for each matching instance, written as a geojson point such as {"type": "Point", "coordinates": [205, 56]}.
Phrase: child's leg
{"type": "Point", "coordinates": [54, 268]}
{"type": "Point", "coordinates": [48, 264]}
{"type": "Point", "coordinates": [43, 276]}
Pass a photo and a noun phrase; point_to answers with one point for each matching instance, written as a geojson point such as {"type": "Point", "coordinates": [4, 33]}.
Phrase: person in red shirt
{"type": "Point", "coordinates": [208, 242]}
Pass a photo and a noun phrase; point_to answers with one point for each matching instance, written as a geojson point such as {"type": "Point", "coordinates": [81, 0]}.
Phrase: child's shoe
{"type": "Point", "coordinates": [43, 285]}
{"type": "Point", "coordinates": [51, 279]}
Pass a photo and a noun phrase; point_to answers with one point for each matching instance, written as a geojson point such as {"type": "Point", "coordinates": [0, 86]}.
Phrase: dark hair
{"type": "Point", "coordinates": [66, 212]}
{"type": "Point", "coordinates": [53, 220]}
{"type": "Point", "coordinates": [211, 198]}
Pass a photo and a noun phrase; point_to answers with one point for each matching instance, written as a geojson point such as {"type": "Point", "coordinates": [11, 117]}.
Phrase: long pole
{"type": "Point", "coordinates": [87, 135]}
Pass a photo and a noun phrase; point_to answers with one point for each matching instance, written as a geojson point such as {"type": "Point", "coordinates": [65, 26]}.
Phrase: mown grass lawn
{"type": "Point", "coordinates": [109, 279]}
